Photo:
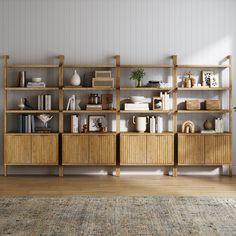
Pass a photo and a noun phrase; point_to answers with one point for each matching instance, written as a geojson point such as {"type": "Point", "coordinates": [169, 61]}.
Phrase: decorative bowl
{"type": "Point", "coordinates": [137, 99]}
{"type": "Point", "coordinates": [37, 79]}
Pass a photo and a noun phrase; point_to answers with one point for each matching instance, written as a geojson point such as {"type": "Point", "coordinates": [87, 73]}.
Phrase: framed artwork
{"type": "Point", "coordinates": [157, 103]}
{"type": "Point", "coordinates": [214, 82]}
{"type": "Point", "coordinates": [206, 78]}
{"type": "Point", "coordinates": [96, 123]}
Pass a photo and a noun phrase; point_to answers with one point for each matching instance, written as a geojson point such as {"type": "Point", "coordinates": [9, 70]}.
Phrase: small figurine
{"type": "Point", "coordinates": [189, 81]}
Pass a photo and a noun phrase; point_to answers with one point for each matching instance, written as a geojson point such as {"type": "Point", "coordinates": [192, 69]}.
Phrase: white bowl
{"type": "Point", "coordinates": [36, 79]}
{"type": "Point", "coordinates": [137, 99]}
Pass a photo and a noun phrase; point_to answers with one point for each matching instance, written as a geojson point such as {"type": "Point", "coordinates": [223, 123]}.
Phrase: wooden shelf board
{"type": "Point", "coordinates": [38, 164]}
{"type": "Point", "coordinates": [32, 111]}
{"type": "Point", "coordinates": [72, 88]}
{"type": "Point", "coordinates": [202, 66]}
{"type": "Point", "coordinates": [89, 66]}
{"type": "Point", "coordinates": [147, 89]}
{"type": "Point", "coordinates": [32, 66]}
{"type": "Point", "coordinates": [203, 164]}
{"type": "Point", "coordinates": [146, 66]}
{"type": "Point", "coordinates": [203, 89]}
{"type": "Point", "coordinates": [30, 89]}
{"type": "Point", "coordinates": [88, 164]}
{"type": "Point", "coordinates": [149, 111]}
{"type": "Point", "coordinates": [216, 134]}
{"type": "Point", "coordinates": [41, 134]}
{"type": "Point", "coordinates": [204, 111]}
{"type": "Point", "coordinates": [146, 133]}
{"type": "Point", "coordinates": [89, 133]}
{"type": "Point", "coordinates": [85, 111]}
{"type": "Point", "coordinates": [136, 164]}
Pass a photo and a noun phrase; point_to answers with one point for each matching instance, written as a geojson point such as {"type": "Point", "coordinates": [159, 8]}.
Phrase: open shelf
{"type": "Point", "coordinates": [85, 111]}
{"type": "Point", "coordinates": [73, 88]}
{"type": "Point", "coordinates": [146, 89]}
{"type": "Point", "coordinates": [203, 89]}
{"type": "Point", "coordinates": [30, 89]}
{"type": "Point", "coordinates": [203, 66]}
{"type": "Point", "coordinates": [32, 66]}
{"type": "Point", "coordinates": [146, 66]}
{"type": "Point", "coordinates": [146, 133]}
{"type": "Point", "coordinates": [35, 133]}
{"type": "Point", "coordinates": [90, 133]}
{"type": "Point", "coordinates": [149, 111]}
{"type": "Point", "coordinates": [204, 111]}
{"type": "Point", "coordinates": [89, 66]}
{"type": "Point", "coordinates": [31, 111]}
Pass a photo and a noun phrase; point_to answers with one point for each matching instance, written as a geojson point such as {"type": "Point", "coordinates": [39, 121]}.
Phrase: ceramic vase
{"type": "Point", "coordinates": [75, 79]}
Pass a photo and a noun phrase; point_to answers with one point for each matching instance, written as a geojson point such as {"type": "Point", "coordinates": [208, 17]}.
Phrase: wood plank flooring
{"type": "Point", "coordinates": [118, 186]}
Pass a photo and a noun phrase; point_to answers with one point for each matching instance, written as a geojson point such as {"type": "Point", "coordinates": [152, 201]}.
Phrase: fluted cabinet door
{"type": "Point", "coordinates": [218, 149]}
{"type": "Point", "coordinates": [75, 149]}
{"type": "Point", "coordinates": [191, 149]}
{"type": "Point", "coordinates": [133, 149]}
{"type": "Point", "coordinates": [102, 149]}
{"type": "Point", "coordinates": [17, 149]}
{"type": "Point", "coordinates": [160, 149]}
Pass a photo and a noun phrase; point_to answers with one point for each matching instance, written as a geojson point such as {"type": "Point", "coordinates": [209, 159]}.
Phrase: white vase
{"type": "Point", "coordinates": [141, 123]}
{"type": "Point", "coordinates": [75, 79]}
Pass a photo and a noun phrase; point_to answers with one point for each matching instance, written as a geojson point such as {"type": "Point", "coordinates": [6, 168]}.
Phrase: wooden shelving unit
{"type": "Point", "coordinates": [30, 149]}
{"type": "Point", "coordinates": [207, 149]}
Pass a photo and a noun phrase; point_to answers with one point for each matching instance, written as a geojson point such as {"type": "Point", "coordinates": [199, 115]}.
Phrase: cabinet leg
{"type": "Point", "coordinates": [117, 171]}
{"type": "Point", "coordinates": [5, 170]}
{"type": "Point", "coordinates": [230, 170]}
{"type": "Point", "coordinates": [175, 173]}
{"type": "Point", "coordinates": [61, 171]}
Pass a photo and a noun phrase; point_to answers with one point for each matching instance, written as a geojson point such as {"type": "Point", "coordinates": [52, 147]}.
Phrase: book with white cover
{"type": "Point", "coordinates": [159, 124]}
{"type": "Point", "coordinates": [74, 124]}
{"type": "Point", "coordinates": [134, 106]}
{"type": "Point", "coordinates": [152, 124]}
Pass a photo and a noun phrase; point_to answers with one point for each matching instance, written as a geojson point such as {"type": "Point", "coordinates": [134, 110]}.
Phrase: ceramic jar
{"type": "Point", "coordinates": [140, 123]}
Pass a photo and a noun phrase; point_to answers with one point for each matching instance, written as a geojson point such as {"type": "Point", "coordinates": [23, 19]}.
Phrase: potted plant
{"type": "Point", "coordinates": [137, 76]}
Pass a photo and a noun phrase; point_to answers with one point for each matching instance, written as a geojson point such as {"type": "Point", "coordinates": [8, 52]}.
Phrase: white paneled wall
{"type": "Point", "coordinates": [141, 31]}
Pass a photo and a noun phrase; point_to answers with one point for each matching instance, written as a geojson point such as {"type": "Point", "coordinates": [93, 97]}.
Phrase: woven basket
{"type": "Point", "coordinates": [212, 104]}
{"type": "Point", "coordinates": [192, 104]}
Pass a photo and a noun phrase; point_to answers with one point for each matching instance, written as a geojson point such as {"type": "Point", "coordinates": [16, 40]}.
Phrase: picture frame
{"type": "Point", "coordinates": [157, 103]}
{"type": "Point", "coordinates": [96, 123]}
{"type": "Point", "coordinates": [214, 82]}
{"type": "Point", "coordinates": [206, 78]}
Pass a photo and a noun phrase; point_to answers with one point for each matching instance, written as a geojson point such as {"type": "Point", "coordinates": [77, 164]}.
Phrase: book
{"type": "Point", "coordinates": [33, 123]}
{"type": "Point", "coordinates": [29, 123]}
{"type": "Point", "coordinates": [159, 124]}
{"type": "Point", "coordinates": [20, 123]}
{"type": "Point", "coordinates": [74, 124]}
{"type": "Point", "coordinates": [107, 101]}
{"type": "Point", "coordinates": [139, 106]}
{"type": "Point", "coordinates": [36, 85]}
{"type": "Point", "coordinates": [94, 107]}
{"type": "Point", "coordinates": [208, 131]}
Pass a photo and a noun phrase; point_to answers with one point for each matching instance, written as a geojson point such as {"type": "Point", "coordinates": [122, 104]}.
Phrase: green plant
{"type": "Point", "coordinates": [137, 75]}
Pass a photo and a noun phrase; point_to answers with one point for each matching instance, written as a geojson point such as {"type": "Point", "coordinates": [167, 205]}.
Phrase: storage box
{"type": "Point", "coordinates": [212, 104]}
{"type": "Point", "coordinates": [103, 83]}
{"type": "Point", "coordinates": [192, 104]}
{"type": "Point", "coordinates": [103, 74]}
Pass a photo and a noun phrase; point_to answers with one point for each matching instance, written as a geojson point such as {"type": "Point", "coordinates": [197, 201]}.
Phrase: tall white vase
{"type": "Point", "coordinates": [75, 79]}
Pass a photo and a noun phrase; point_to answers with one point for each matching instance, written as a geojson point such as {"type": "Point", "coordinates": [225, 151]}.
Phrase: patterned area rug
{"type": "Point", "coordinates": [117, 216]}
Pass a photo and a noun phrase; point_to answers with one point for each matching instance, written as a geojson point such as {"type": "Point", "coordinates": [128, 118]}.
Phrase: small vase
{"type": "Point", "coordinates": [75, 79]}
{"type": "Point", "coordinates": [139, 83]}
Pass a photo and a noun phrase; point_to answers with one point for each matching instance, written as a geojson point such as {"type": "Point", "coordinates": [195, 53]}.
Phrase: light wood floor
{"type": "Point", "coordinates": [114, 186]}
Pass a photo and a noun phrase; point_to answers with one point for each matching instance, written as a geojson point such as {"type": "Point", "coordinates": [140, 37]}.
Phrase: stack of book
{"type": "Point", "coordinates": [136, 106]}
{"type": "Point", "coordinates": [26, 123]}
{"type": "Point", "coordinates": [75, 124]}
{"type": "Point", "coordinates": [93, 107]}
{"type": "Point", "coordinates": [44, 102]}
{"type": "Point", "coordinates": [166, 101]}
{"type": "Point", "coordinates": [36, 85]}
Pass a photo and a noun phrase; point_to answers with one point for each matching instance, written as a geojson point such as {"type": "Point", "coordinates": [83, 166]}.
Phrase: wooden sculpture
{"type": "Point", "coordinates": [188, 127]}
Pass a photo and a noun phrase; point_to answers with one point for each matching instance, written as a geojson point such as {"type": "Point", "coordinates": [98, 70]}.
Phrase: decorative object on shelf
{"type": "Point", "coordinates": [188, 127]}
{"type": "Point", "coordinates": [103, 74]}
{"type": "Point", "coordinates": [77, 102]}
{"type": "Point", "coordinates": [103, 83]}
{"type": "Point", "coordinates": [45, 102]}
{"type": "Point", "coordinates": [85, 126]}
{"type": "Point", "coordinates": [192, 105]}
{"type": "Point", "coordinates": [165, 101]}
{"type": "Point", "coordinates": [189, 81]}
{"type": "Point", "coordinates": [45, 118]}
{"type": "Point", "coordinates": [75, 123]}
{"type": "Point", "coordinates": [212, 104]}
{"type": "Point", "coordinates": [75, 79]}
{"type": "Point", "coordinates": [214, 81]}
{"type": "Point", "coordinates": [159, 124]}
{"type": "Point", "coordinates": [97, 123]}
{"type": "Point", "coordinates": [206, 78]}
{"type": "Point", "coordinates": [71, 103]}
{"type": "Point", "coordinates": [91, 107]}
{"type": "Point", "coordinates": [152, 124]}
{"type": "Point", "coordinates": [141, 123]}
{"type": "Point", "coordinates": [21, 105]}
{"type": "Point", "coordinates": [137, 99]}
{"type": "Point", "coordinates": [136, 106]}
{"type": "Point", "coordinates": [219, 125]}
{"type": "Point", "coordinates": [107, 102]}
{"type": "Point", "coordinates": [36, 79]}
{"type": "Point", "coordinates": [153, 84]}
{"type": "Point", "coordinates": [94, 99]}
{"type": "Point", "coordinates": [22, 79]}
{"type": "Point", "coordinates": [36, 85]}
{"type": "Point", "coordinates": [208, 125]}
{"type": "Point", "coordinates": [137, 76]}
{"type": "Point", "coordinates": [157, 103]}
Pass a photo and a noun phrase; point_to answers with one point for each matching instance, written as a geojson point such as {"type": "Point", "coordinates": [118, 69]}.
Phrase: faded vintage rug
{"type": "Point", "coordinates": [117, 216]}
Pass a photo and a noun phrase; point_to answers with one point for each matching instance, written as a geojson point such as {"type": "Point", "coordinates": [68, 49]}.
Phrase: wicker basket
{"type": "Point", "coordinates": [192, 104]}
{"type": "Point", "coordinates": [212, 104]}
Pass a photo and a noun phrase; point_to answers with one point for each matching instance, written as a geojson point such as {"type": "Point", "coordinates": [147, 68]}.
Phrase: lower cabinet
{"type": "Point", "coordinates": [30, 149]}
{"type": "Point", "coordinates": [200, 149]}
{"type": "Point", "coordinates": [146, 149]}
{"type": "Point", "coordinates": [82, 149]}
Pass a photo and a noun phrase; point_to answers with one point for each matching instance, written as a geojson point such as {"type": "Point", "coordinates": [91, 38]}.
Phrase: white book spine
{"type": "Point", "coordinates": [29, 123]}
{"type": "Point", "coordinates": [39, 102]}
{"type": "Point", "coordinates": [75, 124]}
{"type": "Point", "coordinates": [152, 124]}
{"type": "Point", "coordinates": [49, 102]}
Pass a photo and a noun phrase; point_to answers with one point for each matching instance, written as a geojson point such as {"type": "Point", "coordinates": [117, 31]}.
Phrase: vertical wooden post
{"type": "Point", "coordinates": [61, 107]}
{"type": "Point", "coordinates": [174, 80]}
{"type": "Point", "coordinates": [117, 57]}
{"type": "Point", "coordinates": [230, 170]}
{"type": "Point", "coordinates": [5, 170]}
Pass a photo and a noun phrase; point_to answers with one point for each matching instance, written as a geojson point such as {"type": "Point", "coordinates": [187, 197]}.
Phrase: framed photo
{"type": "Point", "coordinates": [206, 78]}
{"type": "Point", "coordinates": [96, 123]}
{"type": "Point", "coordinates": [214, 83]}
{"type": "Point", "coordinates": [157, 103]}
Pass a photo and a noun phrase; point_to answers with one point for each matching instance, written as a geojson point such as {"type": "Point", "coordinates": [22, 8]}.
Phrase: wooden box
{"type": "Point", "coordinates": [103, 83]}
{"type": "Point", "coordinates": [212, 104]}
{"type": "Point", "coordinates": [192, 104]}
{"type": "Point", "coordinates": [103, 74]}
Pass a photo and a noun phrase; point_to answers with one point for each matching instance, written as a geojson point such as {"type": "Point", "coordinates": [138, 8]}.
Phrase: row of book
{"type": "Point", "coordinates": [45, 102]}
{"type": "Point", "coordinates": [156, 124]}
{"type": "Point", "coordinates": [26, 123]}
